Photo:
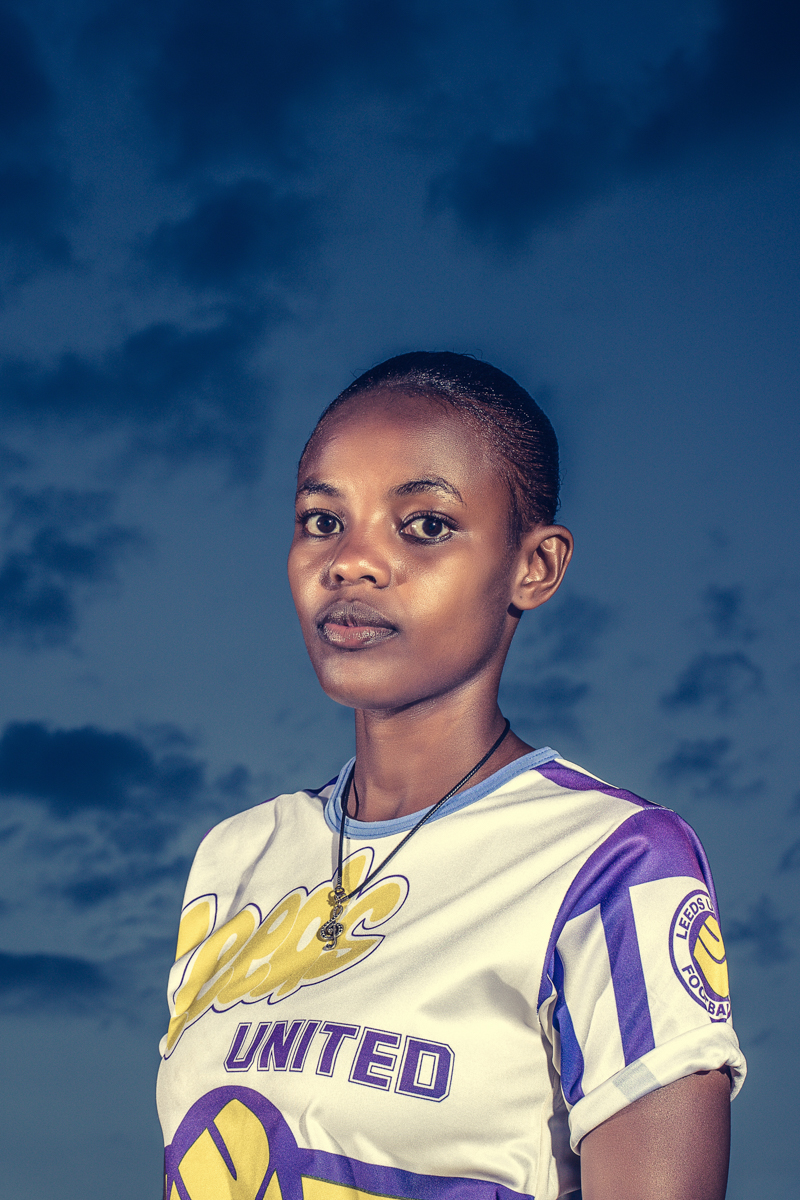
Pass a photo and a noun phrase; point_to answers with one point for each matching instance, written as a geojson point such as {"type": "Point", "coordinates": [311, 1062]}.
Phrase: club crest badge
{"type": "Point", "coordinates": [698, 954]}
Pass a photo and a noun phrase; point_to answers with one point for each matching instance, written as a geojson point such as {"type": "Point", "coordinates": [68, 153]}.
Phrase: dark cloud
{"type": "Point", "coordinates": [59, 547]}
{"type": "Point", "coordinates": [11, 461]}
{"type": "Point", "coordinates": [723, 609]}
{"type": "Point", "coordinates": [764, 930]}
{"type": "Point", "coordinates": [707, 765]}
{"type": "Point", "coordinates": [235, 784]}
{"type": "Point", "coordinates": [573, 628]}
{"type": "Point", "coordinates": [30, 981]}
{"type": "Point", "coordinates": [223, 79]}
{"type": "Point", "coordinates": [247, 231]}
{"type": "Point", "coordinates": [589, 137]}
{"type": "Point", "coordinates": [33, 203]}
{"type": "Point", "coordinates": [99, 832]}
{"type": "Point", "coordinates": [749, 75]}
{"type": "Point", "coordinates": [705, 758]}
{"type": "Point", "coordinates": [503, 189]}
{"type": "Point", "coordinates": [791, 859]}
{"type": "Point", "coordinates": [106, 809]}
{"type": "Point", "coordinates": [720, 681]}
{"type": "Point", "coordinates": [537, 693]}
{"type": "Point", "coordinates": [34, 191]}
{"type": "Point", "coordinates": [89, 768]}
{"type": "Point", "coordinates": [548, 704]}
{"type": "Point", "coordinates": [96, 889]}
{"type": "Point", "coordinates": [25, 93]}
{"type": "Point", "coordinates": [65, 508]}
{"type": "Point", "coordinates": [7, 832]}
{"type": "Point", "coordinates": [181, 394]}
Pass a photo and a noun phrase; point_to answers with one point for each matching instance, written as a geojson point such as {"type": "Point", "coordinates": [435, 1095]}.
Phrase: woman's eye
{"type": "Point", "coordinates": [427, 529]}
{"type": "Point", "coordinates": [321, 524]}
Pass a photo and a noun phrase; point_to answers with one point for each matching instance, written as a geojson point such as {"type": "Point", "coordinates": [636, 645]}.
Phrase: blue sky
{"type": "Point", "coordinates": [211, 218]}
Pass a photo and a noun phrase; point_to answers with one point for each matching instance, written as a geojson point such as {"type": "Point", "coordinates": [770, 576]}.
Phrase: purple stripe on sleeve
{"type": "Point", "coordinates": [627, 976]}
{"type": "Point", "coordinates": [653, 843]}
{"type": "Point", "coordinates": [571, 1068]}
{"type": "Point", "coordinates": [576, 781]}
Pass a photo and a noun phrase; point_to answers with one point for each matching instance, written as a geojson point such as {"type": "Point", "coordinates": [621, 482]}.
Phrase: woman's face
{"type": "Point", "coordinates": [400, 566]}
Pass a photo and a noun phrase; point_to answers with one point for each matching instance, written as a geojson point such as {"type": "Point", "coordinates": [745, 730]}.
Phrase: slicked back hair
{"type": "Point", "coordinates": [520, 434]}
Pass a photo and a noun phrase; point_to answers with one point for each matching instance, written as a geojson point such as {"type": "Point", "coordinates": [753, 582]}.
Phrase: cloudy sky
{"type": "Point", "coordinates": [214, 215]}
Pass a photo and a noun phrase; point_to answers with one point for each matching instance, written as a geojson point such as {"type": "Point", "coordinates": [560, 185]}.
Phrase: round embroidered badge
{"type": "Point", "coordinates": [698, 954]}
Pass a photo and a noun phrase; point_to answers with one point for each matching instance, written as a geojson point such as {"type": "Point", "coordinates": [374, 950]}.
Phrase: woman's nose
{"type": "Point", "coordinates": [359, 557]}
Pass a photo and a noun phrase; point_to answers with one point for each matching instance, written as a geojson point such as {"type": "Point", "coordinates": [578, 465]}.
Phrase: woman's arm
{"type": "Point", "coordinates": [672, 1144]}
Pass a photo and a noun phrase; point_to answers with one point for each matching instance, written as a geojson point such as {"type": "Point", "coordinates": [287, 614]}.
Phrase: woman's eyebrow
{"type": "Point", "coordinates": [435, 484]}
{"type": "Point", "coordinates": [315, 487]}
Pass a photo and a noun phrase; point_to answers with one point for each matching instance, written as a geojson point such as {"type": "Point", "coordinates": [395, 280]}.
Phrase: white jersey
{"type": "Point", "coordinates": [541, 953]}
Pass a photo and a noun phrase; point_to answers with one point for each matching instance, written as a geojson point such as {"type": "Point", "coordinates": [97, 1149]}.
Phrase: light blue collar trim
{"type": "Point", "coordinates": [379, 829]}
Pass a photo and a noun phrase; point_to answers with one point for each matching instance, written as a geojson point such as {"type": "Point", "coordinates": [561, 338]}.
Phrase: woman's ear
{"type": "Point", "coordinates": [543, 558]}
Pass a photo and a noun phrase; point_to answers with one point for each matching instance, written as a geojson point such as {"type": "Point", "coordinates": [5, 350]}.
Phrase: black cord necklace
{"type": "Point", "coordinates": [332, 930]}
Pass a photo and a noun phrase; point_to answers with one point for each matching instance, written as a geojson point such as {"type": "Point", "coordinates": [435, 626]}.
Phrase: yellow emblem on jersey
{"type": "Point", "coordinates": [709, 954]}
{"type": "Point", "coordinates": [236, 1152]}
{"type": "Point", "coordinates": [698, 954]}
{"type": "Point", "coordinates": [206, 1174]}
{"type": "Point", "coordinates": [252, 958]}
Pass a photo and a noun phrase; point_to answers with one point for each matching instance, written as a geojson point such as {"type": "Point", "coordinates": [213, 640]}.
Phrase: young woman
{"type": "Point", "coordinates": [465, 968]}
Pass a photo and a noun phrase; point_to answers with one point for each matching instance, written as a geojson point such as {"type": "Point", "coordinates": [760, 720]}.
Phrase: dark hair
{"type": "Point", "coordinates": [519, 431]}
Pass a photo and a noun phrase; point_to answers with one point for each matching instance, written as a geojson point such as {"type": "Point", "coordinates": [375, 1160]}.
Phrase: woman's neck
{"type": "Point", "coordinates": [406, 761]}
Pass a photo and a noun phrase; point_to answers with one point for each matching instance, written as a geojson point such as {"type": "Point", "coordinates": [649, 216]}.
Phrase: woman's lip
{"type": "Point", "coordinates": [353, 637]}
{"type": "Point", "coordinates": [352, 624]}
{"type": "Point", "coordinates": [353, 612]}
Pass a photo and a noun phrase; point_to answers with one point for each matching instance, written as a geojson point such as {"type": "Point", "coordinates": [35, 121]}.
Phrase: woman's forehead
{"type": "Point", "coordinates": [398, 427]}
{"type": "Point", "coordinates": [382, 451]}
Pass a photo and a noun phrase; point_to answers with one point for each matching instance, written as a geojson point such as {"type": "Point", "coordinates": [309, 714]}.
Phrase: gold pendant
{"type": "Point", "coordinates": [333, 929]}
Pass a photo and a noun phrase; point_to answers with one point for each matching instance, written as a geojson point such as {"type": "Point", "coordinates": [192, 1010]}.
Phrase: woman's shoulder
{"type": "Point", "coordinates": [574, 785]}
{"type": "Point", "coordinates": [575, 808]}
{"type": "Point", "coordinates": [569, 777]}
{"type": "Point", "coordinates": [302, 807]}
{"type": "Point", "coordinates": [574, 793]}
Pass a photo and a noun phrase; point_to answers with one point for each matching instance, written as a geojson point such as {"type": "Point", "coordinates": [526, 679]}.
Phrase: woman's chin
{"type": "Point", "coordinates": [373, 700]}
{"type": "Point", "coordinates": [376, 695]}
{"type": "Point", "coordinates": [356, 680]}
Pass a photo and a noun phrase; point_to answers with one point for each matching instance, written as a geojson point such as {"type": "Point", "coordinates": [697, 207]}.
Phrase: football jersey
{"type": "Point", "coordinates": [542, 952]}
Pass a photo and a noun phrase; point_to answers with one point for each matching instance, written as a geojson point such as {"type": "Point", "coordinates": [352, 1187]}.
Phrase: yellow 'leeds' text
{"type": "Point", "coordinates": [250, 959]}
